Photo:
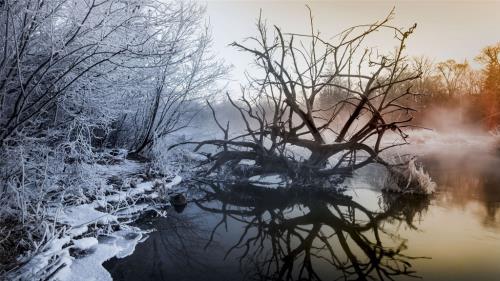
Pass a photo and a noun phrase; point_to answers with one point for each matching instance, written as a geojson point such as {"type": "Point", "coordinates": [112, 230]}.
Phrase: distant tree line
{"type": "Point", "coordinates": [452, 84]}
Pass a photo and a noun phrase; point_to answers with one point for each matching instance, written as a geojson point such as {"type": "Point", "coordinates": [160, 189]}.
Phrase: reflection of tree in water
{"type": "Point", "coordinates": [462, 182]}
{"type": "Point", "coordinates": [174, 251]}
{"type": "Point", "coordinates": [288, 234]}
{"type": "Point", "coordinates": [185, 235]}
{"type": "Point", "coordinates": [489, 196]}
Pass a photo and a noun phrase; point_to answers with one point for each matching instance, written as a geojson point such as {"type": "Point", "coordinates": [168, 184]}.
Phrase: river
{"type": "Point", "coordinates": [231, 232]}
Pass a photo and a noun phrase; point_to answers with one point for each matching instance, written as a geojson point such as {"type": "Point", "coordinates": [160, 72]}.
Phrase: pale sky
{"type": "Point", "coordinates": [446, 29]}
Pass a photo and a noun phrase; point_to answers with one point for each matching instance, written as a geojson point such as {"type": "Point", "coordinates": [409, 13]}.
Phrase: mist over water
{"type": "Point", "coordinates": [446, 236]}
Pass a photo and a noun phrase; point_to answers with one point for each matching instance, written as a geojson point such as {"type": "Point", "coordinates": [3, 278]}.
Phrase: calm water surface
{"type": "Point", "coordinates": [241, 233]}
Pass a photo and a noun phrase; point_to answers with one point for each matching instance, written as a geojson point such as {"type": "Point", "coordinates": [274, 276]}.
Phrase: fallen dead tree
{"type": "Point", "coordinates": [281, 112]}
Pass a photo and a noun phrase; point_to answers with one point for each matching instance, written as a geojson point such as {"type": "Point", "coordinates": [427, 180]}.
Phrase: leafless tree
{"type": "Point", "coordinates": [280, 108]}
{"type": "Point", "coordinates": [70, 70]}
{"type": "Point", "coordinates": [184, 77]}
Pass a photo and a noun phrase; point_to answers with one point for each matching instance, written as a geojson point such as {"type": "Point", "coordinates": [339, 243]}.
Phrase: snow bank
{"type": "Point", "coordinates": [43, 262]}
{"type": "Point", "coordinates": [55, 259]}
{"type": "Point", "coordinates": [89, 268]}
{"type": "Point", "coordinates": [112, 204]}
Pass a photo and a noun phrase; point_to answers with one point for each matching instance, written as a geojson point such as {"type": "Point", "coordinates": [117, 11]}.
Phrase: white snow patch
{"type": "Point", "coordinates": [268, 181]}
{"type": "Point", "coordinates": [247, 162]}
{"type": "Point", "coordinates": [81, 215]}
{"type": "Point", "coordinates": [85, 243]}
{"type": "Point", "coordinates": [141, 188]}
{"type": "Point", "coordinates": [77, 231]}
{"type": "Point", "coordinates": [175, 181]}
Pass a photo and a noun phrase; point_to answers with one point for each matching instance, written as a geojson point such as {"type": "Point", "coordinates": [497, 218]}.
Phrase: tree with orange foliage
{"type": "Point", "coordinates": [490, 57]}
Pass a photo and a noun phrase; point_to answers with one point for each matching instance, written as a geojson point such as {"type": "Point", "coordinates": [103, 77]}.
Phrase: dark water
{"type": "Point", "coordinates": [242, 233]}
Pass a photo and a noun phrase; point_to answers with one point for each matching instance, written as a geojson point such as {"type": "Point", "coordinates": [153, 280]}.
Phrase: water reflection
{"type": "Point", "coordinates": [237, 232]}
{"type": "Point", "coordinates": [174, 251]}
{"type": "Point", "coordinates": [240, 232]}
{"type": "Point", "coordinates": [469, 178]}
{"type": "Point", "coordinates": [314, 235]}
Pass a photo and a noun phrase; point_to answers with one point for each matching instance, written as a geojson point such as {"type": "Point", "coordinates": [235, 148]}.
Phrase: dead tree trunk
{"type": "Point", "coordinates": [281, 110]}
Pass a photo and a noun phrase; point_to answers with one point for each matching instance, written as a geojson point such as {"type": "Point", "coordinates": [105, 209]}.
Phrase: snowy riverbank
{"type": "Point", "coordinates": [90, 233]}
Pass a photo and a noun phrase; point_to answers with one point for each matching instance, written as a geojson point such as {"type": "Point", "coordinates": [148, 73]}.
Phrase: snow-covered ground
{"type": "Point", "coordinates": [94, 232]}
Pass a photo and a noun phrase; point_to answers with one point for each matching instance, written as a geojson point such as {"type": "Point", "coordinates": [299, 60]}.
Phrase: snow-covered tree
{"type": "Point", "coordinates": [71, 72]}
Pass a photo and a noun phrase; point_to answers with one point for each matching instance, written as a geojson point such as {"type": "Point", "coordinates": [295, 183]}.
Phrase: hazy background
{"type": "Point", "coordinates": [446, 29]}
